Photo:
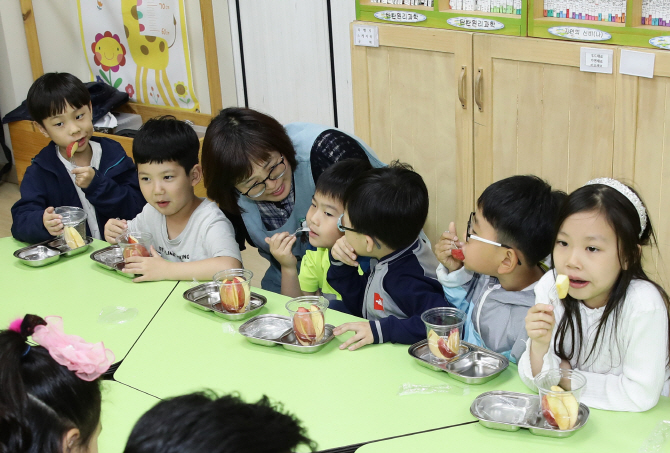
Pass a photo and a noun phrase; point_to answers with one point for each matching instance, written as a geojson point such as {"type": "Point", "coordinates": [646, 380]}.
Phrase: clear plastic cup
{"type": "Point", "coordinates": [234, 289]}
{"type": "Point", "coordinates": [135, 243]}
{"type": "Point", "coordinates": [73, 217]}
{"type": "Point", "coordinates": [560, 392]}
{"type": "Point", "coordinates": [308, 314]}
{"type": "Point", "coordinates": [443, 329]}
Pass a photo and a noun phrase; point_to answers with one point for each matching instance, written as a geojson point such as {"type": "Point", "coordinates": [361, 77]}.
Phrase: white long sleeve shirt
{"type": "Point", "coordinates": [626, 373]}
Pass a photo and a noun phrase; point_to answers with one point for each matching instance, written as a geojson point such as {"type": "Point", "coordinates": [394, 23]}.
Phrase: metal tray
{"type": "Point", "coordinates": [271, 330]}
{"type": "Point", "coordinates": [510, 411]}
{"type": "Point", "coordinates": [111, 258]}
{"type": "Point", "coordinates": [207, 297]}
{"type": "Point", "coordinates": [47, 252]}
{"type": "Point", "coordinates": [474, 365]}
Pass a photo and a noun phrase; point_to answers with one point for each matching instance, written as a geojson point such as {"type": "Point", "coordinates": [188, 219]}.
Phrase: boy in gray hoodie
{"type": "Point", "coordinates": [491, 276]}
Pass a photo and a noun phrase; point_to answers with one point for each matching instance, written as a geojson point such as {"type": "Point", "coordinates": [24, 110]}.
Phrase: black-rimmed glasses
{"type": "Point", "coordinates": [344, 229]}
{"type": "Point", "coordinates": [469, 235]}
{"type": "Point", "coordinates": [276, 172]}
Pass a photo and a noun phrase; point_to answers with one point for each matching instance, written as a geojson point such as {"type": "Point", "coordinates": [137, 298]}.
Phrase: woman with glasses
{"type": "Point", "coordinates": [256, 168]}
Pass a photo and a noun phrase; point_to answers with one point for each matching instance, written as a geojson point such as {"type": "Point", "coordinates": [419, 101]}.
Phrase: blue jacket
{"type": "Point", "coordinates": [113, 192]}
{"type": "Point", "coordinates": [393, 293]}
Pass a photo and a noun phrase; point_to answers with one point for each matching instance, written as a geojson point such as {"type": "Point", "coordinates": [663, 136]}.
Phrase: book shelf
{"type": "Point", "coordinates": [504, 17]}
{"type": "Point", "coordinates": [629, 29]}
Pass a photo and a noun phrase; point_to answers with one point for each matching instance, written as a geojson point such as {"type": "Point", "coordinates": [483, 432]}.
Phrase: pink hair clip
{"type": "Point", "coordinates": [16, 325]}
{"type": "Point", "coordinates": [88, 360]}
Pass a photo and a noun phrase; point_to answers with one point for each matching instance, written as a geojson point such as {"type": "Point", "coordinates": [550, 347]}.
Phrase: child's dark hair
{"type": "Point", "coordinates": [203, 422]}
{"type": "Point", "coordinates": [334, 181]}
{"type": "Point", "coordinates": [523, 211]}
{"type": "Point", "coordinates": [235, 140]}
{"type": "Point", "coordinates": [41, 400]}
{"type": "Point", "coordinates": [389, 204]}
{"type": "Point", "coordinates": [622, 216]}
{"type": "Point", "coordinates": [51, 93]}
{"type": "Point", "coordinates": [166, 139]}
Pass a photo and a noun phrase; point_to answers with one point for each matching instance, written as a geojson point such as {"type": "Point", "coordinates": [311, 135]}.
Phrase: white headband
{"type": "Point", "coordinates": [626, 192]}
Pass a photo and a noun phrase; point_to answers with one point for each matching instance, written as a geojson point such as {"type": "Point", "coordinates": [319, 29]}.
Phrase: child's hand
{"type": "Point", "coordinates": [152, 268]}
{"type": "Point", "coordinates": [113, 229]}
{"type": "Point", "coordinates": [344, 252]}
{"type": "Point", "coordinates": [448, 242]}
{"type": "Point", "coordinates": [540, 322]}
{"type": "Point", "coordinates": [363, 334]}
{"type": "Point", "coordinates": [83, 176]}
{"type": "Point", "coordinates": [52, 221]}
{"type": "Point", "coordinates": [281, 246]}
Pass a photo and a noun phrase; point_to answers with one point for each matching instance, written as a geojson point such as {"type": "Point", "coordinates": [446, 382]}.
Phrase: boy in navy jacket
{"type": "Point", "coordinates": [96, 175]}
{"type": "Point", "coordinates": [384, 212]}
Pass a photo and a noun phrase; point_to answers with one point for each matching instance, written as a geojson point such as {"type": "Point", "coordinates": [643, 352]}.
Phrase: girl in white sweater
{"type": "Point", "coordinates": [613, 324]}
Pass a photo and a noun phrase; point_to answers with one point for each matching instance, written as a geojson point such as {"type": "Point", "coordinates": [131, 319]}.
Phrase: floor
{"type": "Point", "coordinates": [9, 194]}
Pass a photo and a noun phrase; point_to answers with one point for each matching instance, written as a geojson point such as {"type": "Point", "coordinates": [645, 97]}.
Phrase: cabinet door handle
{"type": "Point", "coordinates": [461, 87]}
{"type": "Point", "coordinates": [478, 90]}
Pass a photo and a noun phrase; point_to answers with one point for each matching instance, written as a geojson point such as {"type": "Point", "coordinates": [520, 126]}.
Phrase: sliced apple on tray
{"type": "Point", "coordinates": [560, 409]}
{"type": "Point", "coordinates": [444, 349]}
{"type": "Point", "coordinates": [235, 295]}
{"type": "Point", "coordinates": [308, 325]}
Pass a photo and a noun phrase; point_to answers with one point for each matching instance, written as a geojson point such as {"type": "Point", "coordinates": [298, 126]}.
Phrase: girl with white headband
{"type": "Point", "coordinates": [613, 324]}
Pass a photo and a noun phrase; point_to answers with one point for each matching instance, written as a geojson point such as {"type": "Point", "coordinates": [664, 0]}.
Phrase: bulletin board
{"type": "Point", "coordinates": [140, 47]}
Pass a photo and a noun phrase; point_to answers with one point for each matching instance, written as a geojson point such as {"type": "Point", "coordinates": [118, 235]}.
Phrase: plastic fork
{"type": "Point", "coordinates": [303, 229]}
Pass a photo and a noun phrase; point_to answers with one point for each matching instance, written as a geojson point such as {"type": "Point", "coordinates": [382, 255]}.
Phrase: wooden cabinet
{"type": "Point", "coordinates": [528, 110]}
{"type": "Point", "coordinates": [413, 102]}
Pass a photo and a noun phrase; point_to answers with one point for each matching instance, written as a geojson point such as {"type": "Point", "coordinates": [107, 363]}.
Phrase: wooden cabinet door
{"type": "Point", "coordinates": [537, 113]}
{"type": "Point", "coordinates": [413, 102]}
{"type": "Point", "coordinates": [642, 151]}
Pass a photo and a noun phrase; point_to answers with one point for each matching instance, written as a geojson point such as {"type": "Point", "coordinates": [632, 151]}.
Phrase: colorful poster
{"type": "Point", "coordinates": [140, 47]}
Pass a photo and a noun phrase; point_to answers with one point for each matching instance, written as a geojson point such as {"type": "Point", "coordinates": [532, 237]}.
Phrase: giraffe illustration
{"type": "Point", "coordinates": [148, 52]}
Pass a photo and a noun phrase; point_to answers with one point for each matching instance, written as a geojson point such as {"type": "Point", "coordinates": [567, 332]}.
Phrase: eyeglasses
{"type": "Point", "coordinates": [344, 229]}
{"type": "Point", "coordinates": [276, 172]}
{"type": "Point", "coordinates": [469, 235]}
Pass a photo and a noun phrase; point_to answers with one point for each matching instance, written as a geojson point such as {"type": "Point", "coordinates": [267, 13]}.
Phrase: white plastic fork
{"type": "Point", "coordinates": [300, 230]}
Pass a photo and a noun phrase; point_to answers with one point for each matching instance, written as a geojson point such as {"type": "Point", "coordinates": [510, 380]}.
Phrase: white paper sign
{"type": "Point", "coordinates": [635, 63]}
{"type": "Point", "coordinates": [580, 33]}
{"type": "Point", "coordinates": [400, 16]}
{"type": "Point", "coordinates": [156, 18]}
{"type": "Point", "coordinates": [475, 23]}
{"type": "Point", "coordinates": [596, 60]}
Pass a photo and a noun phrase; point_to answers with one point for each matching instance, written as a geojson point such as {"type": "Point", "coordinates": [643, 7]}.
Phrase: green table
{"type": "Point", "coordinates": [343, 397]}
{"type": "Point", "coordinates": [122, 406]}
{"type": "Point", "coordinates": [77, 289]}
{"type": "Point", "coordinates": [604, 432]}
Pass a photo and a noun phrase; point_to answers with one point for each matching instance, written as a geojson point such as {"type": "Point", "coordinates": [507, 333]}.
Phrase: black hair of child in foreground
{"type": "Point", "coordinates": [202, 422]}
{"type": "Point", "coordinates": [384, 212]}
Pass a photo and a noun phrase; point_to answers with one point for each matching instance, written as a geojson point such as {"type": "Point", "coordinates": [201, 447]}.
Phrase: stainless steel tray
{"type": "Point", "coordinates": [271, 330]}
{"type": "Point", "coordinates": [111, 258]}
{"type": "Point", "coordinates": [474, 365]}
{"type": "Point", "coordinates": [510, 411]}
{"type": "Point", "coordinates": [47, 252]}
{"type": "Point", "coordinates": [207, 297]}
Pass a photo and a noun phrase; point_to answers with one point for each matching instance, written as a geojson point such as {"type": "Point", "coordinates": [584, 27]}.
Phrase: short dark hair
{"type": "Point", "coordinates": [193, 423]}
{"type": "Point", "coordinates": [235, 140]}
{"type": "Point", "coordinates": [334, 181]}
{"type": "Point", "coordinates": [50, 94]}
{"type": "Point", "coordinates": [41, 400]}
{"type": "Point", "coordinates": [523, 210]}
{"type": "Point", "coordinates": [166, 139]}
{"type": "Point", "coordinates": [389, 204]}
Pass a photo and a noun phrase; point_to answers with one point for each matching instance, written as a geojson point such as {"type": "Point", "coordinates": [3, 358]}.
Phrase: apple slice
{"type": "Point", "coordinates": [440, 348]}
{"type": "Point", "coordinates": [72, 237]}
{"type": "Point", "coordinates": [303, 327]}
{"type": "Point", "coordinates": [132, 240]}
{"type": "Point", "coordinates": [555, 412]}
{"type": "Point", "coordinates": [458, 254]}
{"type": "Point", "coordinates": [570, 403]}
{"type": "Point", "coordinates": [317, 322]}
{"type": "Point", "coordinates": [71, 149]}
{"type": "Point", "coordinates": [235, 296]}
{"type": "Point", "coordinates": [454, 342]}
{"type": "Point", "coordinates": [562, 285]}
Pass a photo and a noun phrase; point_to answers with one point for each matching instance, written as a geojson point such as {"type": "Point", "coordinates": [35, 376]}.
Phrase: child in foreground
{"type": "Point", "coordinates": [384, 212]}
{"type": "Point", "coordinates": [613, 324]}
{"type": "Point", "coordinates": [508, 236]}
{"type": "Point", "coordinates": [203, 422]}
{"type": "Point", "coordinates": [50, 398]}
{"type": "Point", "coordinates": [99, 177]}
{"type": "Point", "coordinates": [321, 219]}
{"type": "Point", "coordinates": [192, 238]}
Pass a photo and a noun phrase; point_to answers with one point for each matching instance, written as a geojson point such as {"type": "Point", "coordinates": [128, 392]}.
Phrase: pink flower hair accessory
{"type": "Point", "coordinates": [88, 360]}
